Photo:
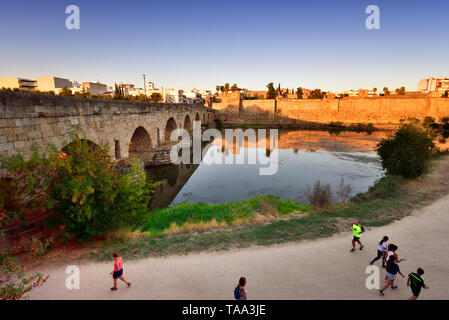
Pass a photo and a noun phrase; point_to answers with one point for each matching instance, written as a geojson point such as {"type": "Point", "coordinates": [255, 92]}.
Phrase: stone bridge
{"type": "Point", "coordinates": [129, 128]}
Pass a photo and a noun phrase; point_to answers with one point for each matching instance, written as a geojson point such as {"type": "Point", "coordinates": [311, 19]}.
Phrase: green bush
{"type": "Point", "coordinates": [80, 185]}
{"type": "Point", "coordinates": [408, 152]}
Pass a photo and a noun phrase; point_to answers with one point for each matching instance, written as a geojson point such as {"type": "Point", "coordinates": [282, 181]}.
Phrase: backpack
{"type": "Point", "coordinates": [237, 295]}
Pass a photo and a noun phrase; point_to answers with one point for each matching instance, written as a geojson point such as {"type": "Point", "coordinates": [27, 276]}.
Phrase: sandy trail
{"type": "Point", "coordinates": [319, 269]}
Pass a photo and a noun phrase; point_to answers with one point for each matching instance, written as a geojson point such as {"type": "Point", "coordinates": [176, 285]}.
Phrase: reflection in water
{"type": "Point", "coordinates": [173, 178]}
{"type": "Point", "coordinates": [304, 157]}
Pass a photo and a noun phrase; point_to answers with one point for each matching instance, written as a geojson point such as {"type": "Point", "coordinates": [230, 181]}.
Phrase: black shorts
{"type": "Point", "coordinates": [416, 291]}
{"type": "Point", "coordinates": [117, 274]}
{"type": "Point", "coordinates": [356, 238]}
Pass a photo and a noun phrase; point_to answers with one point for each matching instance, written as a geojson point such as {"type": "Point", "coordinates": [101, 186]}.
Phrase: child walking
{"type": "Point", "coordinates": [240, 292]}
{"type": "Point", "coordinates": [392, 271]}
{"type": "Point", "coordinates": [416, 282]}
{"type": "Point", "coordinates": [392, 252]}
{"type": "Point", "coordinates": [118, 271]}
{"type": "Point", "coordinates": [381, 251]}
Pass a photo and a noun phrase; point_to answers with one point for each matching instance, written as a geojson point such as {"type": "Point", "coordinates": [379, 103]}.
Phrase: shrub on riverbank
{"type": "Point", "coordinates": [80, 186]}
{"type": "Point", "coordinates": [187, 215]}
{"type": "Point", "coordinates": [408, 152]}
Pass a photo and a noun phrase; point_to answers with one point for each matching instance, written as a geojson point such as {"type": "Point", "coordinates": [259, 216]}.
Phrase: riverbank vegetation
{"type": "Point", "coordinates": [408, 152]}
{"type": "Point", "coordinates": [77, 191]}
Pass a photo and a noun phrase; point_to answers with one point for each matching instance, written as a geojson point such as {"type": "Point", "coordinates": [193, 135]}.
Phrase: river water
{"type": "Point", "coordinates": [303, 158]}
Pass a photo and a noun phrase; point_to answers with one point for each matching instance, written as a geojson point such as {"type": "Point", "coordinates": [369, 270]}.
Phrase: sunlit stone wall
{"type": "Point", "coordinates": [27, 119]}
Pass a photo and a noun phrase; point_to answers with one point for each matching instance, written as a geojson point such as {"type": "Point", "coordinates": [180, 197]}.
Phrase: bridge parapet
{"type": "Point", "coordinates": [26, 119]}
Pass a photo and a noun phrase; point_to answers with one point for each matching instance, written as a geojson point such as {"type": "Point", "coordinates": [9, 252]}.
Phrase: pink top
{"type": "Point", "coordinates": [120, 262]}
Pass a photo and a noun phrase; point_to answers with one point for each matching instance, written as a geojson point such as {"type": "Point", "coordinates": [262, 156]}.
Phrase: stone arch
{"type": "Point", "coordinates": [169, 127]}
{"type": "Point", "coordinates": [197, 117]}
{"type": "Point", "coordinates": [187, 122]}
{"type": "Point", "coordinates": [140, 145]}
{"type": "Point", "coordinates": [204, 118]}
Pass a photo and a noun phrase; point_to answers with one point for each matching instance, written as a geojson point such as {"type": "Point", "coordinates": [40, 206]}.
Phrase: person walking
{"type": "Point", "coordinates": [357, 231]}
{"type": "Point", "coordinates": [381, 251]}
{"type": "Point", "coordinates": [240, 292]}
{"type": "Point", "coordinates": [392, 248]}
{"type": "Point", "coordinates": [118, 271]}
{"type": "Point", "coordinates": [416, 282]}
{"type": "Point", "coordinates": [392, 270]}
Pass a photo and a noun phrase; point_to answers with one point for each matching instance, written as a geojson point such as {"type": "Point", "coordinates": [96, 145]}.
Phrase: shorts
{"type": "Point", "coordinates": [117, 274]}
{"type": "Point", "coordinates": [391, 276]}
{"type": "Point", "coordinates": [416, 291]}
{"type": "Point", "coordinates": [356, 238]}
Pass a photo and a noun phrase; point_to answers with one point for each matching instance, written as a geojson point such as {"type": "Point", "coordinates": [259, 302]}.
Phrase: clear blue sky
{"type": "Point", "coordinates": [201, 43]}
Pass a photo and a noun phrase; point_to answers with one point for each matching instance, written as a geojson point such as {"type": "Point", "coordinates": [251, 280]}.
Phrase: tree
{"type": "Point", "coordinates": [234, 87]}
{"type": "Point", "coordinates": [271, 94]}
{"type": "Point", "coordinates": [65, 91]}
{"type": "Point", "coordinates": [316, 94]}
{"type": "Point", "coordinates": [279, 92]}
{"type": "Point", "coordinates": [119, 92]}
{"type": "Point", "coordinates": [408, 152]}
{"type": "Point", "coordinates": [386, 92]}
{"type": "Point", "coordinates": [401, 91]}
{"type": "Point", "coordinates": [222, 89]}
{"type": "Point", "coordinates": [299, 93]}
{"type": "Point", "coordinates": [80, 185]}
{"type": "Point", "coordinates": [218, 89]}
{"type": "Point", "coordinates": [375, 90]}
{"type": "Point", "coordinates": [226, 87]}
{"type": "Point", "coordinates": [156, 97]}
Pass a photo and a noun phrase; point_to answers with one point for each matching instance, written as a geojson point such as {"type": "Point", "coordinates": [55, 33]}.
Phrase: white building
{"type": "Point", "coordinates": [193, 97]}
{"type": "Point", "coordinates": [52, 84]}
{"type": "Point", "coordinates": [433, 84]}
{"type": "Point", "coordinates": [18, 83]}
{"type": "Point", "coordinates": [174, 96]}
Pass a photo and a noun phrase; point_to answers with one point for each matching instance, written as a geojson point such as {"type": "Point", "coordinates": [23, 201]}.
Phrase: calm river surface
{"type": "Point", "coordinates": [303, 158]}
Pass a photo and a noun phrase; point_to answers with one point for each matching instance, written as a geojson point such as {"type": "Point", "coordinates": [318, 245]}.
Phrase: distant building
{"type": "Point", "coordinates": [193, 97]}
{"type": "Point", "coordinates": [363, 93]}
{"type": "Point", "coordinates": [254, 94]}
{"type": "Point", "coordinates": [52, 84]}
{"type": "Point", "coordinates": [350, 93]}
{"type": "Point", "coordinates": [330, 95]}
{"type": "Point", "coordinates": [18, 83]}
{"type": "Point", "coordinates": [174, 96]}
{"type": "Point", "coordinates": [95, 88]}
{"type": "Point", "coordinates": [433, 84]}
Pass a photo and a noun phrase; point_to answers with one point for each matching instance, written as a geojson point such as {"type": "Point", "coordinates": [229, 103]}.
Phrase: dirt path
{"type": "Point", "coordinates": [320, 269]}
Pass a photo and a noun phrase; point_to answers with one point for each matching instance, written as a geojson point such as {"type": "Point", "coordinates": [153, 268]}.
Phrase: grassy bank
{"type": "Point", "coordinates": [388, 200]}
{"type": "Point", "coordinates": [200, 216]}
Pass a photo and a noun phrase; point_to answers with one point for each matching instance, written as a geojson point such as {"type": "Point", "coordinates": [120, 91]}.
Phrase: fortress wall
{"type": "Point", "coordinates": [379, 110]}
